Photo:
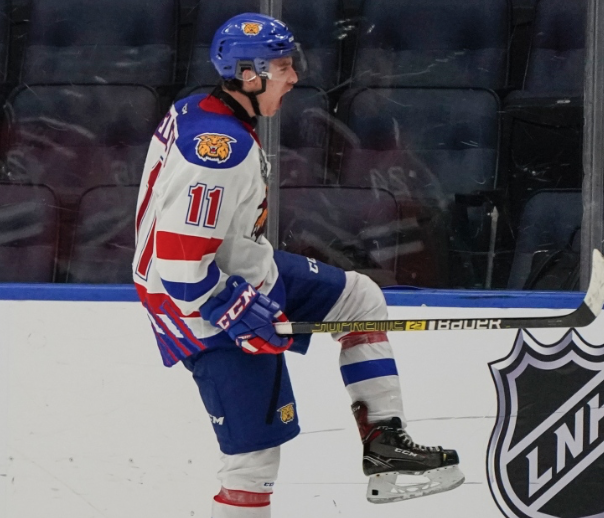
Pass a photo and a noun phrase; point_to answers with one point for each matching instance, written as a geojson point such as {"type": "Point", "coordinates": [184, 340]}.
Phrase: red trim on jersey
{"type": "Point", "coordinates": [181, 247]}
{"type": "Point", "coordinates": [156, 300]}
{"type": "Point", "coordinates": [214, 105]}
{"type": "Point", "coordinates": [175, 340]}
{"type": "Point", "coordinates": [252, 132]}
{"type": "Point", "coordinates": [171, 311]}
{"type": "Point", "coordinates": [243, 498]}
{"type": "Point", "coordinates": [352, 339]}
{"type": "Point", "coordinates": [166, 348]}
{"type": "Point", "coordinates": [147, 254]}
{"type": "Point", "coordinates": [152, 179]}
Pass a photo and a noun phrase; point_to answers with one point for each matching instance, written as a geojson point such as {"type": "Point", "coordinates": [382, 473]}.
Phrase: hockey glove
{"type": "Point", "coordinates": [247, 316]}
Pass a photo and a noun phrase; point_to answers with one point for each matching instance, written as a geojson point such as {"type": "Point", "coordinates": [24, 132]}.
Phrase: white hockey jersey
{"type": "Point", "coordinates": [201, 214]}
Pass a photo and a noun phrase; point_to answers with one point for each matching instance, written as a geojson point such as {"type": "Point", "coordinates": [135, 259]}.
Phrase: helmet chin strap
{"type": "Point", "coordinates": [253, 96]}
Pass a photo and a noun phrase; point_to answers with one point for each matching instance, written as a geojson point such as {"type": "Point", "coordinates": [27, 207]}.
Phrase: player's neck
{"type": "Point", "coordinates": [243, 100]}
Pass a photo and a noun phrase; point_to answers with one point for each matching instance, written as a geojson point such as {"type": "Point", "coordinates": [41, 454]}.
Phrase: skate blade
{"type": "Point", "coordinates": [382, 487]}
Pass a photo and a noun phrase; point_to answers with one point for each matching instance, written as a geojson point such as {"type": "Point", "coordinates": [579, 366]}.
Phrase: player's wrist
{"type": "Point", "coordinates": [247, 316]}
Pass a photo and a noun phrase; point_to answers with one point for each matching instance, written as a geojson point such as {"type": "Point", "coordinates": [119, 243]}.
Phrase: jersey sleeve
{"type": "Point", "coordinates": [197, 208]}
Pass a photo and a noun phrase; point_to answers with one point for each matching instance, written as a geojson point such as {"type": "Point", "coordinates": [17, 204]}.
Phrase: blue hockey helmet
{"type": "Point", "coordinates": [251, 41]}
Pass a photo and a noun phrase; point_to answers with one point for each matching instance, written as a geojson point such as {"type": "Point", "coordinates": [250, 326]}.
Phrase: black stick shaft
{"type": "Point", "coordinates": [584, 315]}
{"type": "Point", "coordinates": [581, 317]}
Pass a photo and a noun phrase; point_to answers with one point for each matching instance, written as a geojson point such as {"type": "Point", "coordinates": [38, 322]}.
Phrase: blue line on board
{"type": "Point", "coordinates": [72, 292]}
{"type": "Point", "coordinates": [395, 296]}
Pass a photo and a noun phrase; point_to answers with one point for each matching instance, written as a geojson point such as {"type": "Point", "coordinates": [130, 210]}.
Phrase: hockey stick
{"type": "Point", "coordinates": [584, 315]}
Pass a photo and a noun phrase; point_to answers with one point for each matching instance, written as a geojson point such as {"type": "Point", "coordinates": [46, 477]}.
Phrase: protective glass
{"type": "Point", "coordinates": [402, 153]}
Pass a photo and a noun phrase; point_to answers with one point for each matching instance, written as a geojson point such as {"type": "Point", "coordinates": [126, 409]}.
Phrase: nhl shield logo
{"type": "Point", "coordinates": [546, 453]}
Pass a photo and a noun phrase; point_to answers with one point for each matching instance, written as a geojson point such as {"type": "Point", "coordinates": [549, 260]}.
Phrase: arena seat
{"type": "Point", "coordinates": [456, 43]}
{"type": "Point", "coordinates": [28, 233]}
{"type": "Point", "coordinates": [101, 42]}
{"type": "Point", "coordinates": [434, 146]}
{"type": "Point", "coordinates": [353, 228]}
{"type": "Point", "coordinates": [314, 25]}
{"type": "Point", "coordinates": [75, 137]}
{"type": "Point", "coordinates": [356, 228]}
{"type": "Point", "coordinates": [4, 38]}
{"type": "Point", "coordinates": [304, 137]}
{"type": "Point", "coordinates": [550, 222]}
{"type": "Point", "coordinates": [210, 17]}
{"type": "Point", "coordinates": [542, 124]}
{"type": "Point", "coordinates": [556, 65]}
{"type": "Point", "coordinates": [6, 49]}
{"type": "Point", "coordinates": [72, 138]}
{"type": "Point", "coordinates": [103, 244]}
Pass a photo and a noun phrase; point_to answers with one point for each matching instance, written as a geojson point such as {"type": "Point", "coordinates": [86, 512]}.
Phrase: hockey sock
{"type": "Point", "coordinates": [241, 504]}
{"type": "Point", "coordinates": [370, 375]}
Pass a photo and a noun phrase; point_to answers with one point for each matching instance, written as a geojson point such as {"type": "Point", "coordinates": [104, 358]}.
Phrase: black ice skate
{"type": "Point", "coordinates": [388, 451]}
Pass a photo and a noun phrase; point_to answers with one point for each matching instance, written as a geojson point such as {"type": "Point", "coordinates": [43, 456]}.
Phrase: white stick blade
{"type": "Point", "coordinates": [594, 298]}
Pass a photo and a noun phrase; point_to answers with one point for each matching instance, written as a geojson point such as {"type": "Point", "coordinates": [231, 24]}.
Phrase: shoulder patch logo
{"type": "Point", "coordinates": [287, 413]}
{"type": "Point", "coordinates": [214, 146]}
{"type": "Point", "coordinates": [251, 28]}
{"type": "Point", "coordinates": [261, 220]}
{"type": "Point", "coordinates": [546, 453]}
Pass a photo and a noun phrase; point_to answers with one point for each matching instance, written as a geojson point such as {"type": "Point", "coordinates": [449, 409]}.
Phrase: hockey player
{"type": "Point", "coordinates": [213, 286]}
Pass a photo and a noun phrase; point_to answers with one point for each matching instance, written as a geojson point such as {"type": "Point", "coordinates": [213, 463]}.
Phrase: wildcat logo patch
{"type": "Point", "coordinates": [214, 146]}
{"type": "Point", "coordinates": [287, 413]}
{"type": "Point", "coordinates": [546, 453]}
{"type": "Point", "coordinates": [251, 28]}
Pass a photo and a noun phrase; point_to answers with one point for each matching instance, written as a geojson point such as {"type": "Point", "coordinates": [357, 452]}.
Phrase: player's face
{"type": "Point", "coordinates": [283, 78]}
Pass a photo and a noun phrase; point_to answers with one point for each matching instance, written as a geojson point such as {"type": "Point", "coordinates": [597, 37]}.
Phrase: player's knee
{"type": "Point", "coordinates": [370, 304]}
{"type": "Point", "coordinates": [368, 295]}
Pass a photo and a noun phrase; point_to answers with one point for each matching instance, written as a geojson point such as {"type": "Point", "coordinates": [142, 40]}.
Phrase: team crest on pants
{"type": "Point", "coordinates": [546, 453]}
{"type": "Point", "coordinates": [214, 146]}
{"type": "Point", "coordinates": [287, 413]}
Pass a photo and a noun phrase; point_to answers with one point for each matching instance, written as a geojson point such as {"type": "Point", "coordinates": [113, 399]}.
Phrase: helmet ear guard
{"type": "Point", "coordinates": [243, 65]}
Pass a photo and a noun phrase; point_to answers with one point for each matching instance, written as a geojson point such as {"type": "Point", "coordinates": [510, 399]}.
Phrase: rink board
{"type": "Point", "coordinates": [92, 425]}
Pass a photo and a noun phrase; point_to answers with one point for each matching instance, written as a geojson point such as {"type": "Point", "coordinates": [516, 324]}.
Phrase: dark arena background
{"type": "Point", "coordinates": [452, 150]}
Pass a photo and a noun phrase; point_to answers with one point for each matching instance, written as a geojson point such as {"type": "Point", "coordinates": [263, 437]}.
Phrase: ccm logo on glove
{"type": "Point", "coordinates": [248, 317]}
{"type": "Point", "coordinates": [244, 300]}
